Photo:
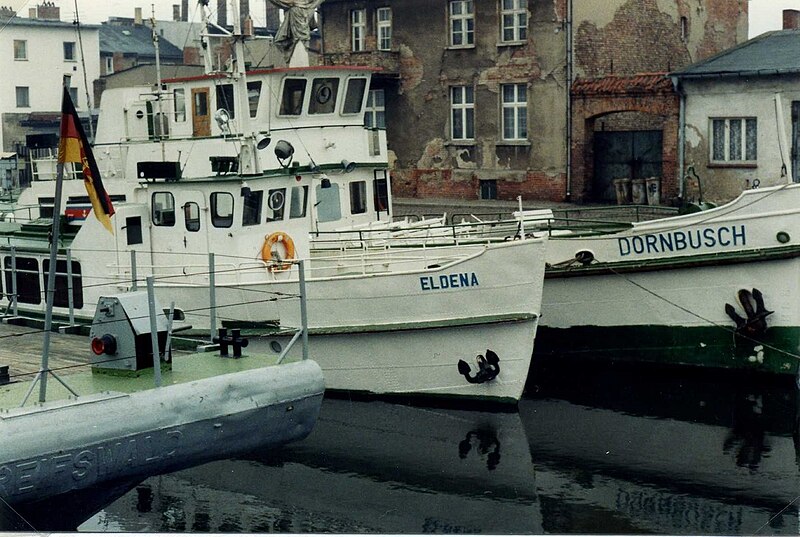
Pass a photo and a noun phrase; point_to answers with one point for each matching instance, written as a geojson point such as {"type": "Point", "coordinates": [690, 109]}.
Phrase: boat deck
{"type": "Point", "coordinates": [69, 358]}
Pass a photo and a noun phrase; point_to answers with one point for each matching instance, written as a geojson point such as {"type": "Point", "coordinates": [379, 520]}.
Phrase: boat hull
{"type": "Point", "coordinates": [63, 446]}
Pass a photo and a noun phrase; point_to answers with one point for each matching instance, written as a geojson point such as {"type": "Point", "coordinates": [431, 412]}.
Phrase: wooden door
{"type": "Point", "coordinates": [201, 117]}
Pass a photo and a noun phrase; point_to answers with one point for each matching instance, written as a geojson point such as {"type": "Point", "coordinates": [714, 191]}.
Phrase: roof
{"type": "Point", "coordinates": [768, 54]}
{"type": "Point", "coordinates": [619, 85]}
{"type": "Point", "coordinates": [135, 39]}
{"type": "Point", "coordinates": [47, 23]}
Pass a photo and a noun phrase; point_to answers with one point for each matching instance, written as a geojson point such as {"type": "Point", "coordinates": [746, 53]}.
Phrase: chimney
{"type": "Point", "coordinates": [31, 12]}
{"type": "Point", "coordinates": [137, 16]}
{"type": "Point", "coordinates": [791, 19]}
{"type": "Point", "coordinates": [222, 13]}
{"type": "Point", "coordinates": [48, 11]}
{"type": "Point", "coordinates": [6, 13]}
{"type": "Point", "coordinates": [273, 17]}
{"type": "Point", "coordinates": [244, 11]}
{"type": "Point", "coordinates": [176, 12]}
{"type": "Point", "coordinates": [184, 10]}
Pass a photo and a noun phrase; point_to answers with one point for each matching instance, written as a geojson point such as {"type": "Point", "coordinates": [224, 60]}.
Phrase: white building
{"type": "Point", "coordinates": [35, 54]}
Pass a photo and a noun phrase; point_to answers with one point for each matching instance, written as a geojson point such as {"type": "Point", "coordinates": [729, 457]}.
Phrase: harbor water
{"type": "Point", "coordinates": [600, 450]}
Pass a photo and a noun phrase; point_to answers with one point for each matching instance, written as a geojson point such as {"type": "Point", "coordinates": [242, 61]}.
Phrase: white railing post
{"type": "Point", "coordinates": [212, 298]}
{"type": "Point", "coordinates": [133, 270]}
{"type": "Point", "coordinates": [70, 300]}
{"type": "Point", "coordinates": [151, 302]}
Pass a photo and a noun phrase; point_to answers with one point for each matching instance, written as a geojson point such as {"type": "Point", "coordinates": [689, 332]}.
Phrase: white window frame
{"type": "Point", "coordinates": [730, 125]}
{"type": "Point", "coordinates": [383, 24]}
{"type": "Point", "coordinates": [463, 13]}
{"type": "Point", "coordinates": [109, 65]}
{"type": "Point", "coordinates": [26, 91]}
{"type": "Point", "coordinates": [374, 113]}
{"type": "Point", "coordinates": [462, 106]}
{"type": "Point", "coordinates": [517, 105]}
{"type": "Point", "coordinates": [358, 30]}
{"type": "Point", "coordinates": [20, 45]}
{"type": "Point", "coordinates": [513, 19]}
{"type": "Point", "coordinates": [74, 55]}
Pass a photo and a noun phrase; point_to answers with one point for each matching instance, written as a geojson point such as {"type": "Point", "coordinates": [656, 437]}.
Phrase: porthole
{"type": "Point", "coordinates": [783, 237]}
{"type": "Point", "coordinates": [275, 346]}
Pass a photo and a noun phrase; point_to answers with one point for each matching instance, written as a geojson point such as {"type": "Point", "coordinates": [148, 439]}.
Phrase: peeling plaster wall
{"type": "Point", "coordinates": [754, 97]}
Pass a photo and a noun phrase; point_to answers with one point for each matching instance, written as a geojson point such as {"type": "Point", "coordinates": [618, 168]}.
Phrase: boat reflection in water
{"type": "Point", "coordinates": [590, 451]}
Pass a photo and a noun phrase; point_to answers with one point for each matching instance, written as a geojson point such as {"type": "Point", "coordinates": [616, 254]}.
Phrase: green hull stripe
{"type": "Point", "coordinates": [714, 347]}
{"type": "Point", "coordinates": [672, 263]}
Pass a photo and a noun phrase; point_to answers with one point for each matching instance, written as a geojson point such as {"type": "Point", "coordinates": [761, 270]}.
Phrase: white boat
{"type": "Point", "coordinates": [286, 157]}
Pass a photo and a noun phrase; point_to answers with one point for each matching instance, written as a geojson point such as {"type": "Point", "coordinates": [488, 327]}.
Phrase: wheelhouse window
{"type": "Point", "coordinates": [462, 23]}
{"type": "Point", "coordinates": [191, 216]}
{"type": "Point", "coordinates": [20, 49]}
{"type": "Point", "coordinates": [323, 95]}
{"type": "Point", "coordinates": [221, 209]}
{"type": "Point", "coordinates": [462, 113]}
{"type": "Point", "coordinates": [179, 97]}
{"type": "Point", "coordinates": [515, 112]}
{"type": "Point", "coordinates": [358, 197]}
{"type": "Point", "coordinates": [294, 91]}
{"type": "Point", "coordinates": [276, 201]}
{"type": "Point", "coordinates": [61, 296]}
{"type": "Point", "coordinates": [297, 208]}
{"type": "Point", "coordinates": [375, 110]}
{"type": "Point", "coordinates": [354, 95]}
{"type": "Point", "coordinates": [69, 51]}
{"type": "Point", "coordinates": [251, 210]}
{"type": "Point", "coordinates": [380, 189]}
{"type": "Point", "coordinates": [225, 99]}
{"type": "Point", "coordinates": [384, 26]}
{"type": "Point", "coordinates": [253, 96]}
{"type": "Point", "coordinates": [28, 288]}
{"type": "Point", "coordinates": [133, 230]}
{"type": "Point", "coordinates": [329, 208]}
{"type": "Point", "coordinates": [514, 20]}
{"type": "Point", "coordinates": [734, 140]}
{"type": "Point", "coordinates": [358, 29]}
{"type": "Point", "coordinates": [163, 209]}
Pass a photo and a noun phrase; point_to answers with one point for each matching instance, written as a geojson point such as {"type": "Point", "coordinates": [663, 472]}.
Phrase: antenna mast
{"type": "Point", "coordinates": [83, 65]}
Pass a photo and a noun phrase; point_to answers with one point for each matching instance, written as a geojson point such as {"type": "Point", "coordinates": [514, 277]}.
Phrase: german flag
{"type": "Point", "coordinates": [74, 147]}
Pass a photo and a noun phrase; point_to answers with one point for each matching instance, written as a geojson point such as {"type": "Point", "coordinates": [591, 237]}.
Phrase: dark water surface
{"type": "Point", "coordinates": [589, 451]}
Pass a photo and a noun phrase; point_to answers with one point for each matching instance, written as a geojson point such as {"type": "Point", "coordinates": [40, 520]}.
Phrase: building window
{"type": "Point", "coordinates": [69, 51]}
{"type": "Point", "coordinates": [684, 29]}
{"type": "Point", "coordinates": [514, 20]}
{"type": "Point", "coordinates": [358, 29]}
{"type": "Point", "coordinates": [384, 16]}
{"type": "Point", "coordinates": [515, 112]}
{"type": "Point", "coordinates": [180, 104]}
{"type": "Point", "coordinates": [73, 94]}
{"type": "Point", "coordinates": [23, 97]}
{"type": "Point", "coordinates": [109, 60]}
{"type": "Point", "coordinates": [462, 113]}
{"type": "Point", "coordinates": [462, 23]}
{"type": "Point", "coordinates": [734, 140]}
{"type": "Point", "coordinates": [20, 49]}
{"type": "Point", "coordinates": [375, 111]}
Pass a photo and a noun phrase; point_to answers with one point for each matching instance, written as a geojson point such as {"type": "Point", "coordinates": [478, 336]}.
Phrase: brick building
{"type": "Point", "coordinates": [548, 99]}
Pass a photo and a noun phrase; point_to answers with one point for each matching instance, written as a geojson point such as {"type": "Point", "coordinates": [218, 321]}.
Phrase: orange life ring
{"type": "Point", "coordinates": [274, 261]}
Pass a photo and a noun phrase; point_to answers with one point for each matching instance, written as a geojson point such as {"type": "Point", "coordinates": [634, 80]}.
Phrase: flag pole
{"type": "Point", "coordinates": [51, 274]}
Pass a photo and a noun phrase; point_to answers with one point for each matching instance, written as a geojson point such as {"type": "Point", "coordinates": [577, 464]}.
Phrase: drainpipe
{"type": "Point", "coordinates": [568, 37]}
{"type": "Point", "coordinates": [681, 135]}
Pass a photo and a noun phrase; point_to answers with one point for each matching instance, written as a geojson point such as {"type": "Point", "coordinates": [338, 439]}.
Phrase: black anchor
{"type": "Point", "coordinates": [488, 368]}
{"type": "Point", "coordinates": [755, 323]}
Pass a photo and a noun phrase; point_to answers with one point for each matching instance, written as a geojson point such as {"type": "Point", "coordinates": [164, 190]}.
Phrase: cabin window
{"type": "Point", "coordinates": [253, 96]}
{"type": "Point", "coordinates": [276, 200]}
{"type": "Point", "coordinates": [299, 202]}
{"type": "Point", "coordinates": [180, 104]}
{"type": "Point", "coordinates": [225, 99]}
{"type": "Point", "coordinates": [28, 289]}
{"type": "Point", "coordinates": [251, 211]}
{"type": "Point", "coordinates": [328, 204]}
{"type": "Point", "coordinates": [163, 209]}
{"type": "Point", "coordinates": [133, 230]}
{"type": "Point", "coordinates": [354, 96]}
{"type": "Point", "coordinates": [157, 124]}
{"type": "Point", "coordinates": [191, 216]}
{"type": "Point", "coordinates": [323, 95]}
{"type": "Point", "coordinates": [358, 197]}
{"type": "Point", "coordinates": [380, 189]}
{"type": "Point", "coordinates": [222, 209]}
{"type": "Point", "coordinates": [294, 91]}
{"type": "Point", "coordinates": [61, 296]}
